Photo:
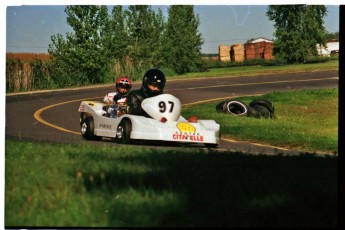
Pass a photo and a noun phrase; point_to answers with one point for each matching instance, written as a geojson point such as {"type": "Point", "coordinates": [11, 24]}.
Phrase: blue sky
{"type": "Point", "coordinates": [29, 28]}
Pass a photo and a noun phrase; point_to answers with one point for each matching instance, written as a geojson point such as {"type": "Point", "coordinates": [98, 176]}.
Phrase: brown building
{"type": "Point", "coordinates": [224, 53]}
{"type": "Point", "coordinates": [237, 53]}
{"type": "Point", "coordinates": [259, 48]}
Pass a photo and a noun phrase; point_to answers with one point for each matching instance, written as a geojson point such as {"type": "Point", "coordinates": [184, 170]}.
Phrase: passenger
{"type": "Point", "coordinates": [118, 98]}
{"type": "Point", "coordinates": [153, 85]}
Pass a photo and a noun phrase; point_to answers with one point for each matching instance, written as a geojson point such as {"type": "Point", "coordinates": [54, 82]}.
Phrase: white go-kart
{"type": "Point", "coordinates": [165, 123]}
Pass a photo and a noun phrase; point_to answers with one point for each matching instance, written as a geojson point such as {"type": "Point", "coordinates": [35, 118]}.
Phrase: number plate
{"type": "Point", "coordinates": [164, 105]}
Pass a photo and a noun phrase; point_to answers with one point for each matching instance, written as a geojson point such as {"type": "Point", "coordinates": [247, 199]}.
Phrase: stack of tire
{"type": "Point", "coordinates": [258, 108]}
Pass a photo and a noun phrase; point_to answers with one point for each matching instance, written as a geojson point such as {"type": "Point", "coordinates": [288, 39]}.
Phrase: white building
{"type": "Point", "coordinates": [332, 45]}
{"type": "Point", "coordinates": [261, 39]}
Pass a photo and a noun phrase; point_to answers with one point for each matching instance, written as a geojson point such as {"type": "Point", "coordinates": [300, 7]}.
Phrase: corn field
{"type": "Point", "coordinates": [28, 71]}
{"type": "Point", "coordinates": [25, 72]}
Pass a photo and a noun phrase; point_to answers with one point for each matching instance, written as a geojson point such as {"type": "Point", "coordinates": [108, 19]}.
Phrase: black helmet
{"type": "Point", "coordinates": [155, 78]}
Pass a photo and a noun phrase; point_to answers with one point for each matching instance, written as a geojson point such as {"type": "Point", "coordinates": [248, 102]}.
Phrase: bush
{"type": "Point", "coordinates": [320, 59]}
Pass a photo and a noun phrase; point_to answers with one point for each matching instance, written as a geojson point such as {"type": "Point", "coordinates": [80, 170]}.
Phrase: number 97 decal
{"type": "Point", "coordinates": [163, 107]}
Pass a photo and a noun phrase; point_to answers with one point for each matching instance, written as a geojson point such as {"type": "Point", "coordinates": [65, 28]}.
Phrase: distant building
{"type": "Point", "coordinates": [237, 53]}
{"type": "Point", "coordinates": [261, 39]}
{"type": "Point", "coordinates": [224, 53]}
{"type": "Point", "coordinates": [332, 48]}
{"type": "Point", "coordinates": [260, 48]}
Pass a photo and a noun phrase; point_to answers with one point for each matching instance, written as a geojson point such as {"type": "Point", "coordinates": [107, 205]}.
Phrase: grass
{"type": "Point", "coordinates": [69, 185]}
{"type": "Point", "coordinates": [59, 185]}
{"type": "Point", "coordinates": [305, 120]}
{"type": "Point", "coordinates": [261, 69]}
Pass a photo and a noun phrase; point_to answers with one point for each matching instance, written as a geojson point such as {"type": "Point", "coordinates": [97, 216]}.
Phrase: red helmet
{"type": "Point", "coordinates": [123, 83]}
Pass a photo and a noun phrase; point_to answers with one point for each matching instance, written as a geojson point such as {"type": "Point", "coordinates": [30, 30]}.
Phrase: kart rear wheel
{"type": "Point", "coordinates": [87, 128]}
{"type": "Point", "coordinates": [123, 131]}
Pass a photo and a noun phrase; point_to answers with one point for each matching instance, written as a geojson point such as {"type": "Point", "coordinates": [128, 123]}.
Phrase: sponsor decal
{"type": "Point", "coordinates": [188, 136]}
{"type": "Point", "coordinates": [187, 133]}
{"type": "Point", "coordinates": [186, 127]}
{"type": "Point", "coordinates": [105, 126]}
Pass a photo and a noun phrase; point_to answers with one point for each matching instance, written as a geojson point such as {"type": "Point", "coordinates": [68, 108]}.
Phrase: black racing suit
{"type": "Point", "coordinates": [134, 99]}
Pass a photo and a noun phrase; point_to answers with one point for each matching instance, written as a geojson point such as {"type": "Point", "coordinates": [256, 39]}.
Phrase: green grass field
{"type": "Point", "coordinates": [66, 185]}
{"type": "Point", "coordinates": [260, 69]}
{"type": "Point", "coordinates": [306, 120]}
{"type": "Point", "coordinates": [59, 185]}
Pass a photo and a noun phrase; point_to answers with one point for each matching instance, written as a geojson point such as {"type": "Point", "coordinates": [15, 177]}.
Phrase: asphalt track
{"type": "Point", "coordinates": [52, 116]}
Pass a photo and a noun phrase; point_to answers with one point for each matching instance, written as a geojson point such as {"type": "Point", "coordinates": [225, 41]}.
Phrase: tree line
{"type": "Point", "coordinates": [126, 42]}
{"type": "Point", "coordinates": [298, 28]}
{"type": "Point", "coordinates": [109, 42]}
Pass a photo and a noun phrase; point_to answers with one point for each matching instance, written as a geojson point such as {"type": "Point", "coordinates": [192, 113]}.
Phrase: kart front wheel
{"type": "Point", "coordinates": [87, 127]}
{"type": "Point", "coordinates": [123, 131]}
{"type": "Point", "coordinates": [82, 118]}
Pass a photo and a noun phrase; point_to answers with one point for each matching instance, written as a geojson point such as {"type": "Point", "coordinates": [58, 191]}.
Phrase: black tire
{"type": "Point", "coordinates": [263, 102]}
{"type": "Point", "coordinates": [123, 131]}
{"type": "Point", "coordinates": [220, 107]}
{"type": "Point", "coordinates": [87, 129]}
{"type": "Point", "coordinates": [82, 118]}
{"type": "Point", "coordinates": [262, 111]}
{"type": "Point", "coordinates": [211, 146]}
{"type": "Point", "coordinates": [252, 112]}
{"type": "Point", "coordinates": [259, 103]}
{"type": "Point", "coordinates": [236, 107]}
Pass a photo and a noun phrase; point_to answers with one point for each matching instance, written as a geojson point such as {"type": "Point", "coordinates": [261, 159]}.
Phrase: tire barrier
{"type": "Point", "coordinates": [259, 108]}
{"type": "Point", "coordinates": [234, 107]}
{"type": "Point", "coordinates": [264, 107]}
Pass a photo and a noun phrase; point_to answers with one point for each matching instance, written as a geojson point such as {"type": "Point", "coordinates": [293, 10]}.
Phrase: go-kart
{"type": "Point", "coordinates": [164, 124]}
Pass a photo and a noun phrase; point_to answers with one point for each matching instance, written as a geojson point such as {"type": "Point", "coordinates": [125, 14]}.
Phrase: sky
{"type": "Point", "coordinates": [29, 27]}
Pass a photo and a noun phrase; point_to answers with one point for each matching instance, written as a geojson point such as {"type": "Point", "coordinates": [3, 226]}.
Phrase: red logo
{"type": "Point", "coordinates": [188, 136]}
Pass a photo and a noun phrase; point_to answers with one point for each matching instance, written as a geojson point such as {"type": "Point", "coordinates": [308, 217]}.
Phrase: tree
{"type": "Point", "coordinates": [182, 42]}
{"type": "Point", "coordinates": [145, 28]}
{"type": "Point", "coordinates": [125, 42]}
{"type": "Point", "coordinates": [334, 35]}
{"type": "Point", "coordinates": [116, 38]}
{"type": "Point", "coordinates": [298, 28]}
{"type": "Point", "coordinates": [116, 41]}
{"type": "Point", "coordinates": [82, 55]}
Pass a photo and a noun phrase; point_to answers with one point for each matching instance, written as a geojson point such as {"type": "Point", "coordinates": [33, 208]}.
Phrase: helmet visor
{"type": "Point", "coordinates": [156, 86]}
{"type": "Point", "coordinates": [124, 86]}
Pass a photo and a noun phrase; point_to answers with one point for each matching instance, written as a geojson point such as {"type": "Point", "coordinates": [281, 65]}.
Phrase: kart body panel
{"type": "Point", "coordinates": [174, 127]}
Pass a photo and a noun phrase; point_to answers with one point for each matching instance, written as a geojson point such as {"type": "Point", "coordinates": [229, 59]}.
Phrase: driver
{"type": "Point", "coordinates": [119, 98]}
{"type": "Point", "coordinates": [153, 85]}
